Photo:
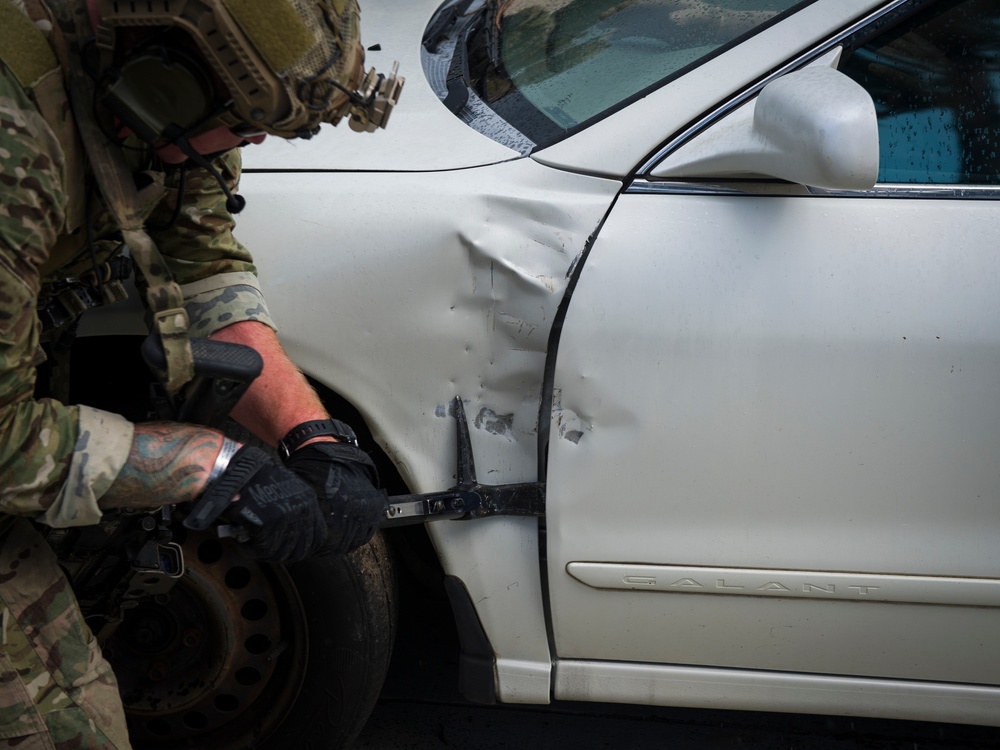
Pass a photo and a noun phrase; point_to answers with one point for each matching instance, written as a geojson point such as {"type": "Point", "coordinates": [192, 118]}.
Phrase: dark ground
{"type": "Point", "coordinates": [420, 709]}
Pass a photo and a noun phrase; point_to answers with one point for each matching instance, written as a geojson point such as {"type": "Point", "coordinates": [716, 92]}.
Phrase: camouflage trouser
{"type": "Point", "coordinates": [56, 690]}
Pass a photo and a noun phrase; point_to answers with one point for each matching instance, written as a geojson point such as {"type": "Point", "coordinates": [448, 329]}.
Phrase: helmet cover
{"type": "Point", "coordinates": [288, 65]}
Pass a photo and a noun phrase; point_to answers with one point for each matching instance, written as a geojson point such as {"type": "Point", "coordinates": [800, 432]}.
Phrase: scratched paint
{"type": "Point", "coordinates": [569, 426]}
{"type": "Point", "coordinates": [497, 424]}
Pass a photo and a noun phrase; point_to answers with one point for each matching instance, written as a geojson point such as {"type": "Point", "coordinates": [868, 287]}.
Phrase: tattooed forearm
{"type": "Point", "coordinates": [169, 463]}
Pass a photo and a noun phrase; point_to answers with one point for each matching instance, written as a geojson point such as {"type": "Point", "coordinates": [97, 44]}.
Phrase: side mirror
{"type": "Point", "coordinates": [815, 127]}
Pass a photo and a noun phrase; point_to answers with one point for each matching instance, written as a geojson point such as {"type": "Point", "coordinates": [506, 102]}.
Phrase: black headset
{"type": "Point", "coordinates": [158, 89]}
{"type": "Point", "coordinates": [163, 92]}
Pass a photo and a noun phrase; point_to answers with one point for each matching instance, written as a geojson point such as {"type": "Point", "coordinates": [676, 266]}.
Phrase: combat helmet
{"type": "Point", "coordinates": [287, 66]}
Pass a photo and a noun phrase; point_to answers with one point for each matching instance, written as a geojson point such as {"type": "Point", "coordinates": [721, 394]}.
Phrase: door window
{"type": "Point", "coordinates": [935, 80]}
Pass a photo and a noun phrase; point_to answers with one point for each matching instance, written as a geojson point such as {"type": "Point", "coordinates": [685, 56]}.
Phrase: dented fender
{"type": "Point", "coordinates": [456, 296]}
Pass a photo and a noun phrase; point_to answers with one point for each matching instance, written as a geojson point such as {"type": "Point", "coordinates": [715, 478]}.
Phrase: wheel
{"type": "Point", "coordinates": [240, 654]}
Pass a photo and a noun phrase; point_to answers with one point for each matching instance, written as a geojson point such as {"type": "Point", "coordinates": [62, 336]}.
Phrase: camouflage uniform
{"type": "Point", "coordinates": [57, 460]}
{"type": "Point", "coordinates": [56, 690]}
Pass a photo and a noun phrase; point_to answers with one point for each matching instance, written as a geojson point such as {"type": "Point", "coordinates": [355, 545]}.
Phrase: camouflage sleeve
{"type": "Point", "coordinates": [47, 463]}
{"type": "Point", "coordinates": [214, 269]}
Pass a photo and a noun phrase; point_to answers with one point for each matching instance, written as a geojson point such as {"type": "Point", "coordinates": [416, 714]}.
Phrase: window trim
{"type": "Point", "coordinates": [750, 92]}
{"type": "Point", "coordinates": [779, 189]}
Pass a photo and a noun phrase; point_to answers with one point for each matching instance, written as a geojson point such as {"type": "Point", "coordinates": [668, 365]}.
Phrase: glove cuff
{"type": "Point", "coordinates": [341, 452]}
{"type": "Point", "coordinates": [246, 462]}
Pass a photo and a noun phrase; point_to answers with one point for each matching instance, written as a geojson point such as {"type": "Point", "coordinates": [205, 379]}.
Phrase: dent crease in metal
{"type": "Point", "coordinates": [516, 251]}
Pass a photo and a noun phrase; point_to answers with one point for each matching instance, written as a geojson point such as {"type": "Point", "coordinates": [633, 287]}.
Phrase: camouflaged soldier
{"type": "Point", "coordinates": [183, 107]}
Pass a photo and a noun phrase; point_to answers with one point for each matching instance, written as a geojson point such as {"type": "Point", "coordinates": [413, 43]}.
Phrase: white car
{"type": "Point", "coordinates": [719, 282]}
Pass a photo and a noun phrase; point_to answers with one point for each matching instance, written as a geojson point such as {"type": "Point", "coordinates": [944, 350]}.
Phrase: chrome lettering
{"type": "Point", "coordinates": [640, 580]}
{"type": "Point", "coordinates": [736, 586]}
{"type": "Point", "coordinates": [686, 583]}
{"type": "Point", "coordinates": [720, 583]}
{"type": "Point", "coordinates": [863, 590]}
{"type": "Point", "coordinates": [773, 586]}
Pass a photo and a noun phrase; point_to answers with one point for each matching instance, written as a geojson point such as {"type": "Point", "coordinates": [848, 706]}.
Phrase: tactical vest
{"type": "Point", "coordinates": [26, 53]}
{"type": "Point", "coordinates": [39, 67]}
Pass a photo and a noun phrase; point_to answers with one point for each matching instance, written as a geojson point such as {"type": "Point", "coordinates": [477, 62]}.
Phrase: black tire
{"type": "Point", "coordinates": [240, 655]}
{"type": "Point", "coordinates": [244, 655]}
{"type": "Point", "coordinates": [351, 638]}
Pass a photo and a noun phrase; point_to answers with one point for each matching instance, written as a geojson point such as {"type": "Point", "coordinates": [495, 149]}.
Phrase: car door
{"type": "Point", "coordinates": [775, 435]}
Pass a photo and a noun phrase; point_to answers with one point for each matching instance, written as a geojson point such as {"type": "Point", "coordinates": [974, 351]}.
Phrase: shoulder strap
{"type": "Point", "coordinates": [25, 26]}
{"type": "Point", "coordinates": [166, 302]}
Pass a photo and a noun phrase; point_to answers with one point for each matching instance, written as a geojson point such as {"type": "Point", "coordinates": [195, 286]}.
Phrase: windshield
{"type": "Point", "coordinates": [546, 66]}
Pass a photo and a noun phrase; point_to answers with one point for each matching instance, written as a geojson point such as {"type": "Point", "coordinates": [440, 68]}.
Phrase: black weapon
{"type": "Point", "coordinates": [222, 373]}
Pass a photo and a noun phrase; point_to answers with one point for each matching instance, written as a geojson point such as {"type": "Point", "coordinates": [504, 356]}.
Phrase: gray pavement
{"type": "Point", "coordinates": [432, 726]}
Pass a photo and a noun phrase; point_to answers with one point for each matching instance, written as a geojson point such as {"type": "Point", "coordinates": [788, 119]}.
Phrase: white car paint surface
{"type": "Point", "coordinates": [764, 402]}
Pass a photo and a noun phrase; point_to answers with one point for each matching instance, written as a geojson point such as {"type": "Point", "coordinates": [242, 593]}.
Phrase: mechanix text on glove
{"type": "Point", "coordinates": [278, 510]}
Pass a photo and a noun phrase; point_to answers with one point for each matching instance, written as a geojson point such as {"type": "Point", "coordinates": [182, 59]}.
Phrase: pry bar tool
{"type": "Point", "coordinates": [468, 499]}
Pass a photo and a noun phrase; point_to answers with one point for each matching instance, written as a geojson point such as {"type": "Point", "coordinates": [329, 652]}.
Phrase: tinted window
{"type": "Point", "coordinates": [935, 79]}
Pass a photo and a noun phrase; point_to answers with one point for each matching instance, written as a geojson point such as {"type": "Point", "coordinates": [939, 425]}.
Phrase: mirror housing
{"type": "Point", "coordinates": [814, 126]}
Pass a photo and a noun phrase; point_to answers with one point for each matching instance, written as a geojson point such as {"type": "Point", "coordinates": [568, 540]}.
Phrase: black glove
{"type": "Point", "coordinates": [277, 510]}
{"type": "Point", "coordinates": [344, 478]}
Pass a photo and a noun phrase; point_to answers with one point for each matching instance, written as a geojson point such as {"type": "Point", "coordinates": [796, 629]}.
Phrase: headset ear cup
{"type": "Point", "coordinates": [159, 88]}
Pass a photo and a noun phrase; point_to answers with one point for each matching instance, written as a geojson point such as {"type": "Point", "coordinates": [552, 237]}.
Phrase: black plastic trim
{"type": "Point", "coordinates": [476, 661]}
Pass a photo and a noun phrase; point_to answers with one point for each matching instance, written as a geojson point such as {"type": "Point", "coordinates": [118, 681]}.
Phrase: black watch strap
{"type": "Point", "coordinates": [316, 428]}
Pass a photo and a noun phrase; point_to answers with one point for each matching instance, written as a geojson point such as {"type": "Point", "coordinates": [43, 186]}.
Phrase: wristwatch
{"type": "Point", "coordinates": [315, 428]}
